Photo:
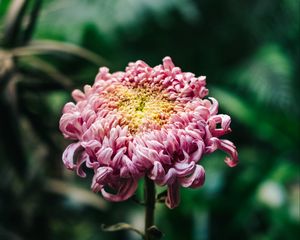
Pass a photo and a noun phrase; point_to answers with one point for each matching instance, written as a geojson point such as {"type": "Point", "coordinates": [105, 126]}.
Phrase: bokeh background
{"type": "Point", "coordinates": [249, 51]}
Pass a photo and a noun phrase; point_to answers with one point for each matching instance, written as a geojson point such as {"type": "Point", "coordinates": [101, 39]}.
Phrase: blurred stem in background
{"type": "Point", "coordinates": [16, 43]}
{"type": "Point", "coordinates": [14, 35]}
{"type": "Point", "coordinates": [17, 80]}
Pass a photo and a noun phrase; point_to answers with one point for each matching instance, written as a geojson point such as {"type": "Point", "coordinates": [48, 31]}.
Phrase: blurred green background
{"type": "Point", "coordinates": [249, 51]}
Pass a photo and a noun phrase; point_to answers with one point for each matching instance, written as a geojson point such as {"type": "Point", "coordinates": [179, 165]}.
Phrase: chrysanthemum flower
{"type": "Point", "coordinates": [145, 121]}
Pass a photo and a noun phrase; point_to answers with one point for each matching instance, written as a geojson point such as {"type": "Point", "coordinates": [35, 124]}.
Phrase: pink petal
{"type": "Point", "coordinates": [167, 63]}
{"type": "Point", "coordinates": [195, 180]}
{"type": "Point", "coordinates": [128, 168]}
{"type": "Point", "coordinates": [230, 148]}
{"type": "Point", "coordinates": [78, 95]}
{"type": "Point", "coordinates": [196, 156]}
{"type": "Point", "coordinates": [125, 190]}
{"type": "Point", "coordinates": [157, 172]}
{"type": "Point", "coordinates": [100, 178]}
{"type": "Point", "coordinates": [226, 146]}
{"type": "Point", "coordinates": [84, 157]}
{"type": "Point", "coordinates": [104, 155]}
{"type": "Point", "coordinates": [68, 155]}
{"type": "Point", "coordinates": [184, 169]}
{"type": "Point", "coordinates": [173, 196]}
{"type": "Point", "coordinates": [214, 106]}
{"type": "Point", "coordinates": [117, 159]}
{"type": "Point", "coordinates": [169, 178]}
{"type": "Point", "coordinates": [224, 120]}
{"type": "Point", "coordinates": [164, 158]}
{"type": "Point", "coordinates": [70, 125]}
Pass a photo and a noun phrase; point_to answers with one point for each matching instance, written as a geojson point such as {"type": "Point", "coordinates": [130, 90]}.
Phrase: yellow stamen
{"type": "Point", "coordinates": [141, 108]}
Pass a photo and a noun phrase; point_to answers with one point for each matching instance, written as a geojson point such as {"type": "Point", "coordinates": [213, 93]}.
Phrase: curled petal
{"type": "Point", "coordinates": [146, 156]}
{"type": "Point", "coordinates": [128, 168]}
{"type": "Point", "coordinates": [173, 195]}
{"type": "Point", "coordinates": [116, 161]}
{"type": "Point", "coordinates": [224, 120]}
{"type": "Point", "coordinates": [202, 112]}
{"type": "Point", "coordinates": [88, 117]}
{"type": "Point", "coordinates": [100, 178]}
{"type": "Point", "coordinates": [196, 179]}
{"type": "Point", "coordinates": [203, 92]}
{"type": "Point", "coordinates": [68, 155]}
{"type": "Point", "coordinates": [226, 146]}
{"type": "Point", "coordinates": [103, 74]}
{"type": "Point", "coordinates": [70, 125]}
{"type": "Point", "coordinates": [212, 145]}
{"type": "Point", "coordinates": [196, 156]}
{"type": "Point", "coordinates": [78, 95]}
{"type": "Point", "coordinates": [185, 142]}
{"type": "Point", "coordinates": [169, 178]}
{"type": "Point", "coordinates": [102, 174]}
{"type": "Point", "coordinates": [125, 190]}
{"type": "Point", "coordinates": [155, 145]}
{"type": "Point", "coordinates": [230, 148]}
{"type": "Point", "coordinates": [157, 172]}
{"type": "Point", "coordinates": [164, 158]}
{"type": "Point", "coordinates": [121, 141]}
{"type": "Point", "coordinates": [214, 106]}
{"type": "Point", "coordinates": [84, 157]}
{"type": "Point", "coordinates": [87, 89]}
{"type": "Point", "coordinates": [184, 169]}
{"type": "Point", "coordinates": [231, 162]}
{"type": "Point", "coordinates": [91, 147]}
{"type": "Point", "coordinates": [171, 144]}
{"type": "Point", "coordinates": [167, 63]}
{"type": "Point", "coordinates": [104, 155]}
{"type": "Point", "coordinates": [69, 107]}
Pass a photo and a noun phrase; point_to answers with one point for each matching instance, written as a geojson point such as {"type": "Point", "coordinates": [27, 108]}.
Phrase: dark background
{"type": "Point", "coordinates": [249, 51]}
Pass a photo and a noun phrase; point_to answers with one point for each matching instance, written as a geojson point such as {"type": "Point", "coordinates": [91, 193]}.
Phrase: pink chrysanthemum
{"type": "Point", "coordinates": [144, 121]}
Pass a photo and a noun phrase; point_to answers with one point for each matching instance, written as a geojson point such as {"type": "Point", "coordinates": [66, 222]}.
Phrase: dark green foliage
{"type": "Point", "coordinates": [249, 51]}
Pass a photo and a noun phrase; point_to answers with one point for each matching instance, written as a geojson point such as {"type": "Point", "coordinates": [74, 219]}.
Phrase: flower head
{"type": "Point", "coordinates": [144, 121]}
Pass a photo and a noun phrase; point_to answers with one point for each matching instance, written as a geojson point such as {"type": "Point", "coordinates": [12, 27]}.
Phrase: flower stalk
{"type": "Point", "coordinates": [149, 205]}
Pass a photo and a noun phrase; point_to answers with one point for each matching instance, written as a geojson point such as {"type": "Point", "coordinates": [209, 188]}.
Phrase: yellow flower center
{"type": "Point", "coordinates": [142, 108]}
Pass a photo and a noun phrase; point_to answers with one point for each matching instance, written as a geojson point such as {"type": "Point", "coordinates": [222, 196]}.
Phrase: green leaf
{"type": "Point", "coordinates": [267, 78]}
{"type": "Point", "coordinates": [256, 120]}
{"type": "Point", "coordinates": [109, 17]}
{"type": "Point", "coordinates": [119, 227]}
{"type": "Point", "coordinates": [154, 233]}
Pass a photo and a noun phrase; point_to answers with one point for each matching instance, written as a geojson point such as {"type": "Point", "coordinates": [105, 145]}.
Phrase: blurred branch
{"type": "Point", "coordinates": [32, 19]}
{"type": "Point", "coordinates": [6, 68]}
{"type": "Point", "coordinates": [34, 83]}
{"type": "Point", "coordinates": [10, 128]}
{"type": "Point", "coordinates": [38, 126]}
{"type": "Point", "coordinates": [8, 235]}
{"type": "Point", "coordinates": [75, 193]}
{"type": "Point", "coordinates": [48, 70]}
{"type": "Point", "coordinates": [13, 22]}
{"type": "Point", "coordinates": [49, 46]}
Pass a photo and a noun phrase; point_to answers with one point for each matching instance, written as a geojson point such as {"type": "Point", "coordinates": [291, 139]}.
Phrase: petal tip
{"type": "Point", "coordinates": [231, 162]}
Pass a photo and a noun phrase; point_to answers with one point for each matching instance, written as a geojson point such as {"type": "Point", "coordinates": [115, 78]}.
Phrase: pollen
{"type": "Point", "coordinates": [142, 108]}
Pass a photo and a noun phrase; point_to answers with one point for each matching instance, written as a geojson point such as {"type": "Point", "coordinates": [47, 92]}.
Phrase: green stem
{"type": "Point", "coordinates": [150, 205]}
